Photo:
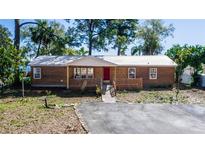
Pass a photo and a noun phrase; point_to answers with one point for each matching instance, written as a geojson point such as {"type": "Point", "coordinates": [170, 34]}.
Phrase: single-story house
{"type": "Point", "coordinates": [127, 71]}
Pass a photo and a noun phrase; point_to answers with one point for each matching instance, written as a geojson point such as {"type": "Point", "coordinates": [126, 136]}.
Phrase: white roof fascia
{"type": "Point", "coordinates": [150, 65]}
{"type": "Point", "coordinates": [91, 61]}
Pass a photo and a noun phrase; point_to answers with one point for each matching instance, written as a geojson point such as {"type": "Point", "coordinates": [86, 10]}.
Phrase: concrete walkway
{"type": "Point", "coordinates": [122, 118]}
{"type": "Point", "coordinates": [106, 95]}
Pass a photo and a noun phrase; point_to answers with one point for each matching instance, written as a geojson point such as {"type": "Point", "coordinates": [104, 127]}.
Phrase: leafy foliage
{"type": "Point", "coordinates": [121, 32]}
{"type": "Point", "coordinates": [150, 34]}
{"type": "Point", "coordinates": [46, 38]}
{"type": "Point", "coordinates": [74, 52]}
{"type": "Point", "coordinates": [10, 59]}
{"type": "Point", "coordinates": [185, 56]}
{"type": "Point", "coordinates": [91, 32]}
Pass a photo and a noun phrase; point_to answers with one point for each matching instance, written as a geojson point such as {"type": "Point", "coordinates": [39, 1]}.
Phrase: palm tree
{"type": "Point", "coordinates": [42, 35]}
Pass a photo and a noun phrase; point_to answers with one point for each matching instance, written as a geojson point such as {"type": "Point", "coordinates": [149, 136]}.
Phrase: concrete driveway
{"type": "Point", "coordinates": [122, 118]}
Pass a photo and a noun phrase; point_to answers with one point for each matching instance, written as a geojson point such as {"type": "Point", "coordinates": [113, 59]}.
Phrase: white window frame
{"type": "Point", "coordinates": [75, 70]}
{"type": "Point", "coordinates": [153, 72]}
{"type": "Point", "coordinates": [88, 74]}
{"type": "Point", "coordinates": [35, 72]}
{"type": "Point", "coordinates": [80, 77]}
{"type": "Point", "coordinates": [129, 71]}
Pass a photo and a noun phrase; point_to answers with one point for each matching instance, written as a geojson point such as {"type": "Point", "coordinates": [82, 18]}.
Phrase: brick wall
{"type": "Point", "coordinates": [165, 76]}
{"type": "Point", "coordinates": [57, 76]}
{"type": "Point", "coordinates": [51, 76]}
{"type": "Point", "coordinates": [123, 82]}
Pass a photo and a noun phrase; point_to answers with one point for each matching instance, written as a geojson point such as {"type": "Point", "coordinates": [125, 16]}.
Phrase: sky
{"type": "Point", "coordinates": [189, 31]}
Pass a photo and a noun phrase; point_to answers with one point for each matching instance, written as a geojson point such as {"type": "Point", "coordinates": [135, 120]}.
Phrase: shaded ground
{"type": "Point", "coordinates": [122, 118]}
{"type": "Point", "coordinates": [185, 96]}
{"type": "Point", "coordinates": [29, 115]}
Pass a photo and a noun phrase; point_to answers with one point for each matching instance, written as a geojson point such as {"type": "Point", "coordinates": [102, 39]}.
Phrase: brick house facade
{"type": "Point", "coordinates": [95, 70]}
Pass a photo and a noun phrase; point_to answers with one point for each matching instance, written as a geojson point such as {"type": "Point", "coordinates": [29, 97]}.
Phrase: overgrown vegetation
{"type": "Point", "coordinates": [150, 35]}
{"type": "Point", "coordinates": [186, 55]}
{"type": "Point", "coordinates": [11, 60]}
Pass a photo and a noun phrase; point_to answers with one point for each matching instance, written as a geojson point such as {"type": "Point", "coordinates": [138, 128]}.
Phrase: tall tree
{"type": "Point", "coordinates": [17, 34]}
{"type": "Point", "coordinates": [46, 38]}
{"type": "Point", "coordinates": [17, 31]}
{"type": "Point", "coordinates": [151, 34]}
{"type": "Point", "coordinates": [10, 59]}
{"type": "Point", "coordinates": [121, 32]}
{"type": "Point", "coordinates": [90, 32]}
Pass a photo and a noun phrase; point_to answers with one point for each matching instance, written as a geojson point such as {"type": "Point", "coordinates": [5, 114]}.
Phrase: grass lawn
{"type": "Point", "coordinates": [186, 96]}
{"type": "Point", "coordinates": [28, 115]}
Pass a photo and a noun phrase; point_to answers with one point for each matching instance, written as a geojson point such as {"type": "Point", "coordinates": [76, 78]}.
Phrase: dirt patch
{"type": "Point", "coordinates": [29, 115]}
{"type": "Point", "coordinates": [194, 96]}
{"type": "Point", "coordinates": [185, 96]}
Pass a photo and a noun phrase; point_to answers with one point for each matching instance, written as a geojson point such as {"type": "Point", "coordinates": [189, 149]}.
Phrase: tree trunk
{"type": "Point", "coordinates": [17, 34]}
{"type": "Point", "coordinates": [150, 52]}
{"type": "Point", "coordinates": [90, 48]}
{"type": "Point", "coordinates": [119, 50]}
{"type": "Point", "coordinates": [90, 24]}
{"type": "Point", "coordinates": [17, 46]}
{"type": "Point", "coordinates": [39, 46]}
{"type": "Point", "coordinates": [2, 90]}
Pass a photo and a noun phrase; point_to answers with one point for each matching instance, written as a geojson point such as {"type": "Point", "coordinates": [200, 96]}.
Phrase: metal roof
{"type": "Point", "coordinates": [155, 60]}
{"type": "Point", "coordinates": [53, 60]}
{"type": "Point", "coordinates": [159, 60]}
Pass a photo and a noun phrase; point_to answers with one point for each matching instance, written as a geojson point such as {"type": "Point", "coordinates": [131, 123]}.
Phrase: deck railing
{"type": "Point", "coordinates": [133, 83]}
{"type": "Point", "coordinates": [118, 83]}
{"type": "Point", "coordinates": [76, 83]}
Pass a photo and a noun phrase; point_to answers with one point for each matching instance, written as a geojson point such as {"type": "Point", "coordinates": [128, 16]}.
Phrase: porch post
{"type": "Point", "coordinates": [115, 74]}
{"type": "Point", "coordinates": [115, 82]}
{"type": "Point", "coordinates": [67, 77]}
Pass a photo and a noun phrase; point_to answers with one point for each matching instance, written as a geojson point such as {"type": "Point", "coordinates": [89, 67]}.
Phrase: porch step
{"type": "Point", "coordinates": [106, 95]}
{"type": "Point", "coordinates": [106, 81]}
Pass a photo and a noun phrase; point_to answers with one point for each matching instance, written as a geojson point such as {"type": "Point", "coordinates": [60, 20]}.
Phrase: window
{"type": "Point", "coordinates": [153, 73]}
{"type": "Point", "coordinates": [90, 73]}
{"type": "Point", "coordinates": [83, 73]}
{"type": "Point", "coordinates": [37, 73]}
{"type": "Point", "coordinates": [131, 73]}
{"type": "Point", "coordinates": [77, 73]}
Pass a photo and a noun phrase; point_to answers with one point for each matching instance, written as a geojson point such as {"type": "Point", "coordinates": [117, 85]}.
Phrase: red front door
{"type": "Point", "coordinates": [106, 72]}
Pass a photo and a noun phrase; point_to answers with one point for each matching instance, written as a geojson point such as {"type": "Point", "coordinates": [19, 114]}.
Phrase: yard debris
{"type": "Point", "coordinates": [185, 96]}
{"type": "Point", "coordinates": [56, 106]}
{"type": "Point", "coordinates": [195, 90]}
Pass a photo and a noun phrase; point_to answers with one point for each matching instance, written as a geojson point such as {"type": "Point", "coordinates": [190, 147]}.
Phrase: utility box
{"type": "Point", "coordinates": [203, 80]}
